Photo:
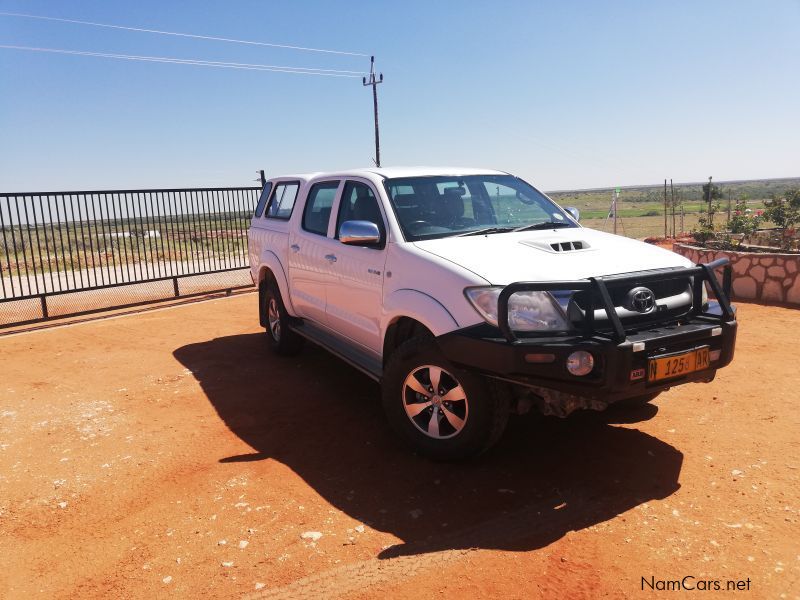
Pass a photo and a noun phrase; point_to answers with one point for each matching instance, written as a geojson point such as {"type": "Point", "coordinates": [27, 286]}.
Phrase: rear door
{"type": "Point", "coordinates": [309, 252]}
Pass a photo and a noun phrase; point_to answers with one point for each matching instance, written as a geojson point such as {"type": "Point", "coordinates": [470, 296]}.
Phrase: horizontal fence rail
{"type": "Point", "coordinates": [63, 243]}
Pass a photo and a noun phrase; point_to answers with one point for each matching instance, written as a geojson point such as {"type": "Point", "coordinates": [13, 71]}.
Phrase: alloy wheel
{"type": "Point", "coordinates": [435, 402]}
{"type": "Point", "coordinates": [274, 319]}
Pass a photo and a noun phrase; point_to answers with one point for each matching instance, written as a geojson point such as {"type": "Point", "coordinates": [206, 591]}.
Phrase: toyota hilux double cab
{"type": "Point", "coordinates": [470, 295]}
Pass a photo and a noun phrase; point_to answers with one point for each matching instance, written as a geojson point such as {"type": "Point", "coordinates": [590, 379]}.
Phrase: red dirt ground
{"type": "Point", "coordinates": [170, 454]}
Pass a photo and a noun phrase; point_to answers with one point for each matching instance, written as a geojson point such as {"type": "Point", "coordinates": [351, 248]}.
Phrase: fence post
{"type": "Point", "coordinates": [43, 299]}
{"type": "Point", "coordinates": [175, 287]}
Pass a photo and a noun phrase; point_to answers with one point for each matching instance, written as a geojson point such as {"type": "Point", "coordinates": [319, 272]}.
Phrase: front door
{"type": "Point", "coordinates": [355, 293]}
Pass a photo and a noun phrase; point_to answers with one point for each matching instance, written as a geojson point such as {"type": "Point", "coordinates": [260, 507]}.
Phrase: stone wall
{"type": "Point", "coordinates": [756, 276]}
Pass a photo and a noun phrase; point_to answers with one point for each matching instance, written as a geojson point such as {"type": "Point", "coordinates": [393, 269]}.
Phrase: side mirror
{"type": "Point", "coordinates": [359, 233]}
{"type": "Point", "coordinates": [574, 212]}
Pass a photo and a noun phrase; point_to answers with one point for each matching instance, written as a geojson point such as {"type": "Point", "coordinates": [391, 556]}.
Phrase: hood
{"type": "Point", "coordinates": [551, 255]}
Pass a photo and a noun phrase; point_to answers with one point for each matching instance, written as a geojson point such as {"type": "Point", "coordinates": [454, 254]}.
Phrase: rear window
{"type": "Point", "coordinates": [262, 200]}
{"type": "Point", "coordinates": [282, 203]}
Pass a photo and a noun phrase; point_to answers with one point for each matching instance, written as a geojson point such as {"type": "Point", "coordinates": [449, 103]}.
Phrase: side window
{"type": "Point", "coordinates": [317, 212]}
{"type": "Point", "coordinates": [282, 203]}
{"type": "Point", "coordinates": [262, 200]}
{"type": "Point", "coordinates": [359, 204]}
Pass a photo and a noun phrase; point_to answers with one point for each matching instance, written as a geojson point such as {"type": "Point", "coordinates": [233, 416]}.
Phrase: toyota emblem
{"type": "Point", "coordinates": [641, 299]}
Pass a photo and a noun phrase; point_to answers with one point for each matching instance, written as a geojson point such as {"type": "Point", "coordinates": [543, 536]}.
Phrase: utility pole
{"type": "Point", "coordinates": [665, 208]}
{"type": "Point", "coordinates": [613, 210]}
{"type": "Point", "coordinates": [710, 214]}
{"type": "Point", "coordinates": [374, 83]}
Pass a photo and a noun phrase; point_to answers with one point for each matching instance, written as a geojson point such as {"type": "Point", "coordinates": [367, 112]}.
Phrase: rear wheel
{"type": "Point", "coordinates": [442, 412]}
{"type": "Point", "coordinates": [282, 339]}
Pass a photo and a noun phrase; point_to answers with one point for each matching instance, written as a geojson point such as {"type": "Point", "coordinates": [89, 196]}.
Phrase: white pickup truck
{"type": "Point", "coordinates": [469, 295]}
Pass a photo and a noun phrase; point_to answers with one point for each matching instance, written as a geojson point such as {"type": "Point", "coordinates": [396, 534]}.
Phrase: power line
{"type": "Point", "coordinates": [175, 33]}
{"type": "Point", "coordinates": [194, 62]}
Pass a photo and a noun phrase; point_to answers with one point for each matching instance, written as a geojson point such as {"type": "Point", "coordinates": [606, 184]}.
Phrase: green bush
{"type": "Point", "coordinates": [742, 221]}
{"type": "Point", "coordinates": [785, 214]}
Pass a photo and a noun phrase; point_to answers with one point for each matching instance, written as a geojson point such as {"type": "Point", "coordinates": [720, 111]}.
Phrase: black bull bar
{"type": "Point", "coordinates": [699, 274]}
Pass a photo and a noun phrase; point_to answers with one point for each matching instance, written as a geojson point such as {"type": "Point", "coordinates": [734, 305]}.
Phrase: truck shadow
{"type": "Point", "coordinates": [323, 419]}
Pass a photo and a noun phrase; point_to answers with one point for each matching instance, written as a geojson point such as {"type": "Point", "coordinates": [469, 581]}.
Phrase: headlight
{"type": "Point", "coordinates": [527, 311]}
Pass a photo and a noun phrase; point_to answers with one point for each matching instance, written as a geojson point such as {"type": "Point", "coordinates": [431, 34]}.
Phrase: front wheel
{"type": "Point", "coordinates": [442, 412]}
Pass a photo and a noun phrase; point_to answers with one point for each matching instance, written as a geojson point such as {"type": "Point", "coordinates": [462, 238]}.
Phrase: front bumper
{"type": "Point", "coordinates": [476, 348]}
{"type": "Point", "coordinates": [621, 356]}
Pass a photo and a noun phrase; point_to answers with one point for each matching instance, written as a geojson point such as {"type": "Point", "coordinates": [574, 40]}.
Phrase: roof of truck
{"type": "Point", "coordinates": [395, 172]}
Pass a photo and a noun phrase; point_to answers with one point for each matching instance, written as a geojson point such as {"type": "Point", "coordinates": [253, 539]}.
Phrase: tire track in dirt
{"type": "Point", "coordinates": [546, 520]}
{"type": "Point", "coordinates": [359, 576]}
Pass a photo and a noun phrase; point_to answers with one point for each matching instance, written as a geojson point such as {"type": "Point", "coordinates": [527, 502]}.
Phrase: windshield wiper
{"type": "Point", "coordinates": [486, 230]}
{"type": "Point", "coordinates": [545, 225]}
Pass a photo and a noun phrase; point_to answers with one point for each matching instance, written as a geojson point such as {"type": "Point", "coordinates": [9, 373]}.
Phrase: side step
{"type": "Point", "coordinates": [362, 361]}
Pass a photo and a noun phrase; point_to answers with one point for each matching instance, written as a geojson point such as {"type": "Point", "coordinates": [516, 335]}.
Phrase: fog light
{"type": "Point", "coordinates": [714, 355]}
{"type": "Point", "coordinates": [580, 363]}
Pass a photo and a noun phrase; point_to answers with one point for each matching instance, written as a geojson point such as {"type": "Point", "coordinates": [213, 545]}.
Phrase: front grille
{"type": "Point", "coordinates": [661, 289]}
{"type": "Point", "coordinates": [673, 299]}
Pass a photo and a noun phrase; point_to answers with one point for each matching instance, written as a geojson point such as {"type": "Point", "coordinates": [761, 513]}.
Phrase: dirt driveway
{"type": "Point", "coordinates": [169, 454]}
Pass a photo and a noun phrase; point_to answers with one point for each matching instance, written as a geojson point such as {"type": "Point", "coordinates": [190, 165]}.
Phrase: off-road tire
{"type": "Point", "coordinates": [282, 339]}
{"type": "Point", "coordinates": [488, 406]}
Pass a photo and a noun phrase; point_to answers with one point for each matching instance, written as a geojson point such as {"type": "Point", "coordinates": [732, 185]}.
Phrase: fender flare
{"type": "Point", "coordinates": [419, 306]}
{"type": "Point", "coordinates": [271, 261]}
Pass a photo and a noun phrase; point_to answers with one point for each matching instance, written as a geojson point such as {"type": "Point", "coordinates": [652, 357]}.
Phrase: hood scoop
{"type": "Point", "coordinates": [557, 246]}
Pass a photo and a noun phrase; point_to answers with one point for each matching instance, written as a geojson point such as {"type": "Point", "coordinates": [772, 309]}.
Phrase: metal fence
{"type": "Point", "coordinates": [76, 252]}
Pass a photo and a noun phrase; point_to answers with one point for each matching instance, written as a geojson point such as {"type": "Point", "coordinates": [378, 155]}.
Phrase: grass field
{"type": "Point", "coordinates": [691, 194]}
{"type": "Point", "coordinates": [640, 227]}
{"type": "Point", "coordinates": [642, 207]}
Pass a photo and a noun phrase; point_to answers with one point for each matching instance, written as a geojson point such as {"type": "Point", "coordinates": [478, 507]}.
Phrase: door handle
{"type": "Point", "coordinates": [295, 248]}
{"type": "Point", "coordinates": [330, 258]}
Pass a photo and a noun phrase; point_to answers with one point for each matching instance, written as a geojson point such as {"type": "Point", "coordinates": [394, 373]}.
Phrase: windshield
{"type": "Point", "coordinates": [434, 207]}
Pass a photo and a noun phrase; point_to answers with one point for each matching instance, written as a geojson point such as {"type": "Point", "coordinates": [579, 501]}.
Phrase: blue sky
{"type": "Point", "coordinates": [564, 94]}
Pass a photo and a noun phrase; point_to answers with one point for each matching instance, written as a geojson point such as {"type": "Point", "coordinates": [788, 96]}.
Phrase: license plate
{"type": "Point", "coordinates": [678, 364]}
